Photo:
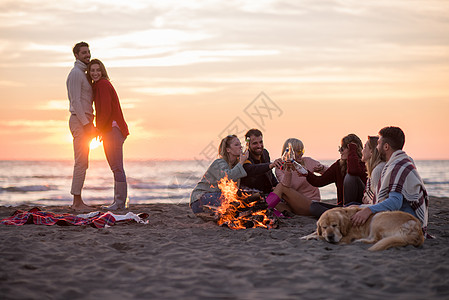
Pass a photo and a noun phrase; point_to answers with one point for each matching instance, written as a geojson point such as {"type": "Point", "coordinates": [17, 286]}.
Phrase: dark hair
{"type": "Point", "coordinates": [350, 138]}
{"type": "Point", "coordinates": [104, 73]}
{"type": "Point", "coordinates": [77, 47]}
{"type": "Point", "coordinates": [393, 136]}
{"type": "Point", "coordinates": [254, 131]}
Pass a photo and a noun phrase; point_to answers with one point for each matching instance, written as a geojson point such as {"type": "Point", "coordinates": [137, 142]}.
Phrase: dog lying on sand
{"type": "Point", "coordinates": [384, 230]}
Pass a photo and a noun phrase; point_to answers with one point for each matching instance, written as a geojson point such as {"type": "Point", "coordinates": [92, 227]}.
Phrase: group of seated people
{"type": "Point", "coordinates": [378, 175]}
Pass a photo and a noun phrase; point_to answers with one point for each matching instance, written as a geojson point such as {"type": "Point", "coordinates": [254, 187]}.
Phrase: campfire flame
{"type": "Point", "coordinates": [241, 210]}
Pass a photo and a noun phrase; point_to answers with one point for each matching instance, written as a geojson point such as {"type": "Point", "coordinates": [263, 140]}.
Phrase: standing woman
{"type": "Point", "coordinates": [112, 128]}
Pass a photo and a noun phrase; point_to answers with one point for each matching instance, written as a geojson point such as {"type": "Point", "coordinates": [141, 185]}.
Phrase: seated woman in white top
{"type": "Point", "coordinates": [229, 163]}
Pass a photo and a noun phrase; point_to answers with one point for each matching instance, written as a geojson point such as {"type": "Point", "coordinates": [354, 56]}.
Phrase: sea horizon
{"type": "Point", "coordinates": [47, 182]}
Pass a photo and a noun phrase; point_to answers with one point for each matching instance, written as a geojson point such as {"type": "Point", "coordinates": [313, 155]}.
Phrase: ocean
{"type": "Point", "coordinates": [47, 183]}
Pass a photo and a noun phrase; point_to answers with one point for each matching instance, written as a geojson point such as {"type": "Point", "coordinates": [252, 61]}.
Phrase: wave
{"type": "Point", "coordinates": [161, 186]}
{"type": "Point", "coordinates": [106, 199]}
{"type": "Point", "coordinates": [98, 188]}
{"type": "Point", "coordinates": [48, 177]}
{"type": "Point", "coordinates": [436, 182]}
{"type": "Point", "coordinates": [29, 188]}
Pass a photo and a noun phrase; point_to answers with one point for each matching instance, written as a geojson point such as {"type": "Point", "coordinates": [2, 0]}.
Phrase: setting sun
{"type": "Point", "coordinates": [329, 67]}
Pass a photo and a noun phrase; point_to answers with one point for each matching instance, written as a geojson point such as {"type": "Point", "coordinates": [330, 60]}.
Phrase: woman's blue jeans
{"type": "Point", "coordinates": [113, 149]}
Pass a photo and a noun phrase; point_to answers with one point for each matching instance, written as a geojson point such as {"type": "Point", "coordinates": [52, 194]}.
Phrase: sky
{"type": "Point", "coordinates": [188, 73]}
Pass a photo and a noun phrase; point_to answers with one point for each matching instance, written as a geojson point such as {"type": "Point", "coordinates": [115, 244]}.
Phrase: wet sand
{"type": "Point", "coordinates": [180, 256]}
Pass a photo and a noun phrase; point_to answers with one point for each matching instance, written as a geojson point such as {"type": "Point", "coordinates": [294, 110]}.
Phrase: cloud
{"type": "Point", "coordinates": [55, 105]}
{"type": "Point", "coordinates": [164, 91]}
{"type": "Point", "coordinates": [9, 83]}
{"type": "Point", "coordinates": [128, 103]}
{"type": "Point", "coordinates": [34, 125]}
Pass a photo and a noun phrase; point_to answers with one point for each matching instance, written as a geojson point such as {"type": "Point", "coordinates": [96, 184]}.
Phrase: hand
{"type": "Point", "coordinates": [90, 130]}
{"type": "Point", "coordinates": [276, 164]}
{"type": "Point", "coordinates": [288, 166]}
{"type": "Point", "coordinates": [318, 168]}
{"type": "Point", "coordinates": [360, 217]}
{"type": "Point", "coordinates": [244, 156]}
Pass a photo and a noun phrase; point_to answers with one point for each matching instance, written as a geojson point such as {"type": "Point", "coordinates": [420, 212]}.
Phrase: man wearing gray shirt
{"type": "Point", "coordinates": [81, 120]}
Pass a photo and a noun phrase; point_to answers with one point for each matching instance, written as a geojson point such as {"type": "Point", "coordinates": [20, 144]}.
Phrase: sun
{"type": "Point", "coordinates": [95, 143]}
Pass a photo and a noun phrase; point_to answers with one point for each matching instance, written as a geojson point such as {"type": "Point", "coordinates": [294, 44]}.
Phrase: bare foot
{"type": "Point", "coordinates": [79, 205]}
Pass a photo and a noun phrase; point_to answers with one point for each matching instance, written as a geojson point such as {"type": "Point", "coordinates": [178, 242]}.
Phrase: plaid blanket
{"type": "Point", "coordinates": [95, 219]}
{"type": "Point", "coordinates": [400, 175]}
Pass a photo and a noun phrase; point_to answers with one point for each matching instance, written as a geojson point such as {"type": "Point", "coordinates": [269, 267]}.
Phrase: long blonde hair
{"type": "Point", "coordinates": [297, 145]}
{"type": "Point", "coordinates": [224, 144]}
{"type": "Point", "coordinates": [375, 158]}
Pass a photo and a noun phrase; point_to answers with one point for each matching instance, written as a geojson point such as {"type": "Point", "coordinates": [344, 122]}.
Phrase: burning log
{"type": "Point", "coordinates": [241, 210]}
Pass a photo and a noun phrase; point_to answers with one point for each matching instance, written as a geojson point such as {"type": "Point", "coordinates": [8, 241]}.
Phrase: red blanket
{"type": "Point", "coordinates": [40, 217]}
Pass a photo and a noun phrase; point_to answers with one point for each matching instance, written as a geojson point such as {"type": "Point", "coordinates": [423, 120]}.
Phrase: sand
{"type": "Point", "coordinates": [179, 256]}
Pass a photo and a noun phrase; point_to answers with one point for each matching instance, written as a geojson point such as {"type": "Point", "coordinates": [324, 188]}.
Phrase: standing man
{"type": "Point", "coordinates": [81, 126]}
{"type": "Point", "coordinates": [401, 187]}
{"type": "Point", "coordinates": [258, 166]}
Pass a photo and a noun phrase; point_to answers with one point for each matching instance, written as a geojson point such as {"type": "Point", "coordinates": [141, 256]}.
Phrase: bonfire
{"type": "Point", "coordinates": [242, 209]}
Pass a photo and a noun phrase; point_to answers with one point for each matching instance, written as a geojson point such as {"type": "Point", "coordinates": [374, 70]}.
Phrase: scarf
{"type": "Point", "coordinates": [400, 175]}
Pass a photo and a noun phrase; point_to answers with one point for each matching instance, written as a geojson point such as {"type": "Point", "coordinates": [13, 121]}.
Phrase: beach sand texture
{"type": "Point", "coordinates": [179, 256]}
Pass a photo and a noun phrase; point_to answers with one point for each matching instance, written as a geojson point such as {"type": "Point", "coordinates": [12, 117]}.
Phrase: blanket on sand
{"type": "Point", "coordinates": [95, 219]}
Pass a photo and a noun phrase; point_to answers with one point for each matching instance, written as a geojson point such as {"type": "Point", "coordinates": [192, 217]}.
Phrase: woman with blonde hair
{"type": "Point", "coordinates": [229, 163]}
{"type": "Point", "coordinates": [294, 180]}
{"type": "Point", "coordinates": [374, 166]}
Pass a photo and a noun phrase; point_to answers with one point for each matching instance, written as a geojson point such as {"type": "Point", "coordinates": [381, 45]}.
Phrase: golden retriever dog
{"type": "Point", "coordinates": [384, 230]}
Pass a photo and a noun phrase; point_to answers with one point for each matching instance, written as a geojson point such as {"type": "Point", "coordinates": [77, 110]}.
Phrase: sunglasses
{"type": "Point", "coordinates": [341, 149]}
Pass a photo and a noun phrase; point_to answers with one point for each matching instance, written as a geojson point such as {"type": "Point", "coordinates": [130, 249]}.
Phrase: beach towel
{"type": "Point", "coordinates": [400, 175]}
{"type": "Point", "coordinates": [95, 219]}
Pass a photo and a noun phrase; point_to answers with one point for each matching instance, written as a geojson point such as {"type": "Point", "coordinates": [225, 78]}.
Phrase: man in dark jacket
{"type": "Point", "coordinates": [258, 165]}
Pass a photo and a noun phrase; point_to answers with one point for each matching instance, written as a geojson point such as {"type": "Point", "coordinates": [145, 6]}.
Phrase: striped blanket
{"type": "Point", "coordinates": [400, 175]}
{"type": "Point", "coordinates": [94, 219]}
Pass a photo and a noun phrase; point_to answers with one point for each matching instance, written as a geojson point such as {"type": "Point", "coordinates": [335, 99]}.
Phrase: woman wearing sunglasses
{"type": "Point", "coordinates": [348, 174]}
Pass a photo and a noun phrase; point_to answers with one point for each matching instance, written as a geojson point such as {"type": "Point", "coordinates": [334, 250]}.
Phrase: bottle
{"type": "Point", "coordinates": [247, 140]}
{"type": "Point", "coordinates": [289, 156]}
{"type": "Point", "coordinates": [300, 168]}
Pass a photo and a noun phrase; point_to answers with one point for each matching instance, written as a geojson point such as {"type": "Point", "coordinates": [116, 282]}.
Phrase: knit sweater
{"type": "Point", "coordinates": [80, 93]}
{"type": "Point", "coordinates": [107, 107]}
{"type": "Point", "coordinates": [216, 171]}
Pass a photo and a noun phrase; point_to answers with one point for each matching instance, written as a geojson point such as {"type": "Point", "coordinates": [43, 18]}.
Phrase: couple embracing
{"type": "Point", "coordinates": [83, 90]}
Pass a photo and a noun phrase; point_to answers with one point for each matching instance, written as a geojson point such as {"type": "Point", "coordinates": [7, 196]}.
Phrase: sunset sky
{"type": "Point", "coordinates": [190, 72]}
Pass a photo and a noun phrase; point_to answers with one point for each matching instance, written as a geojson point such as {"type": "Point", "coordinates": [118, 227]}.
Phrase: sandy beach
{"type": "Point", "coordinates": [180, 256]}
